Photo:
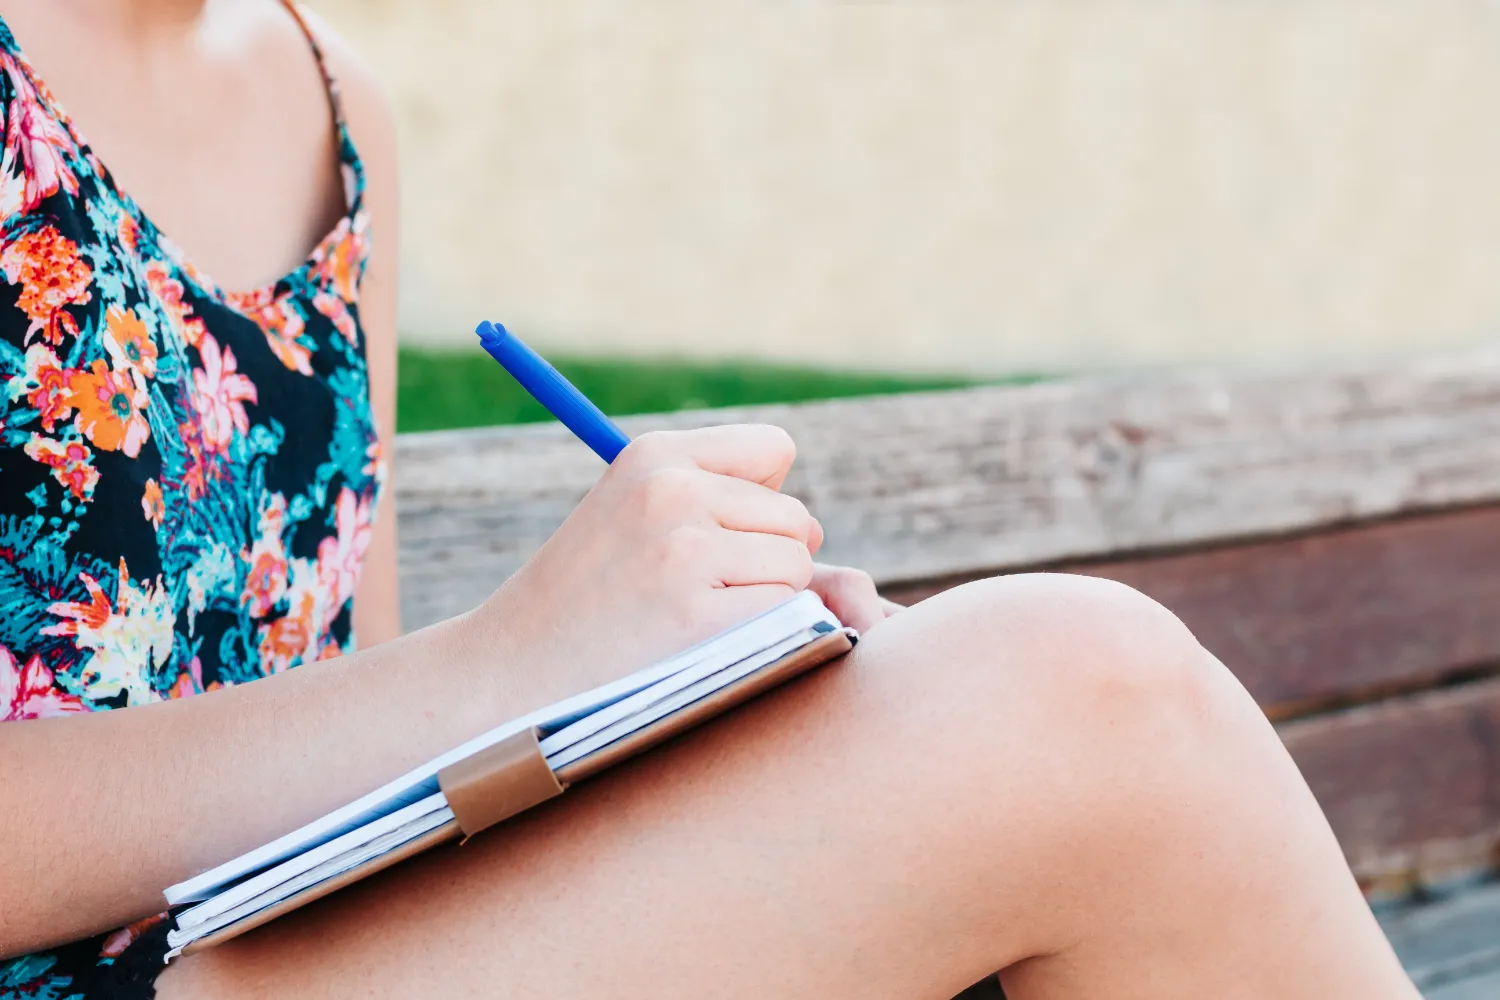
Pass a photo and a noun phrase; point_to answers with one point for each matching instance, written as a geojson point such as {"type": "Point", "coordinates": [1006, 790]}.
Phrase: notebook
{"type": "Point", "coordinates": [505, 771]}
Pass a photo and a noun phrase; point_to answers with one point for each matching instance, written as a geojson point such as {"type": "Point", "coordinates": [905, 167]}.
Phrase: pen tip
{"type": "Point", "coordinates": [489, 332]}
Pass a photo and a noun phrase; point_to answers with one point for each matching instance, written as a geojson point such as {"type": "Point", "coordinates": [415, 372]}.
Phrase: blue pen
{"type": "Point", "coordinates": [571, 407]}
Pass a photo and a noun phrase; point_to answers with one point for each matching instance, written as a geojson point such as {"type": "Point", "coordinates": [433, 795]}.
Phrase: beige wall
{"type": "Point", "coordinates": [949, 183]}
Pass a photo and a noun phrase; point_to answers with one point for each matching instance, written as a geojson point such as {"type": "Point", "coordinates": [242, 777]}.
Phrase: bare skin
{"type": "Point", "coordinates": [1042, 774]}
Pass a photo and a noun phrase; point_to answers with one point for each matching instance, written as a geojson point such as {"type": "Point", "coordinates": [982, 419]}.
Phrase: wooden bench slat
{"type": "Point", "coordinates": [1411, 785]}
{"type": "Point", "coordinates": [938, 484]}
{"type": "Point", "coordinates": [1316, 621]}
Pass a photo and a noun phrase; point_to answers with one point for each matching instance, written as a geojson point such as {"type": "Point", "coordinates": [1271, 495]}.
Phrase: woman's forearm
{"type": "Point", "coordinates": [99, 813]}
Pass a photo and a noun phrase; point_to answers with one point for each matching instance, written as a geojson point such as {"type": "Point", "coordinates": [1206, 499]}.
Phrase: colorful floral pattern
{"type": "Point", "coordinates": [188, 476]}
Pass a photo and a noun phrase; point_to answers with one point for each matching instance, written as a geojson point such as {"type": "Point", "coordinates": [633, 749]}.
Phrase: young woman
{"type": "Point", "coordinates": [1043, 775]}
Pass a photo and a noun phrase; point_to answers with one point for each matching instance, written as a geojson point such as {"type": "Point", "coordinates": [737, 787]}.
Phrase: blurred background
{"type": "Point", "coordinates": [728, 202]}
{"type": "Point", "coordinates": [951, 190]}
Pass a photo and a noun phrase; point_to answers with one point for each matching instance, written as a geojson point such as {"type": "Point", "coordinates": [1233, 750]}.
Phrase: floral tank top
{"type": "Point", "coordinates": [188, 475]}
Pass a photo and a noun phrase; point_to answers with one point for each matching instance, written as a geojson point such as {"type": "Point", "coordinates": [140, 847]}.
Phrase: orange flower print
{"type": "Point", "coordinates": [29, 692]}
{"type": "Point", "coordinates": [71, 463]}
{"type": "Point", "coordinates": [200, 467]}
{"type": "Point", "coordinates": [376, 467]}
{"type": "Point", "coordinates": [267, 581]}
{"type": "Point", "coordinates": [129, 231]}
{"type": "Point", "coordinates": [219, 395]}
{"type": "Point", "coordinates": [45, 384]}
{"type": "Point", "coordinates": [170, 291]}
{"type": "Point", "coordinates": [94, 615]}
{"type": "Point", "coordinates": [285, 642]}
{"type": "Point", "coordinates": [109, 407]}
{"type": "Point", "coordinates": [40, 141]}
{"type": "Point", "coordinates": [340, 262]}
{"type": "Point", "coordinates": [129, 343]}
{"type": "Point", "coordinates": [152, 505]}
{"type": "Point", "coordinates": [47, 266]}
{"type": "Point", "coordinates": [281, 322]}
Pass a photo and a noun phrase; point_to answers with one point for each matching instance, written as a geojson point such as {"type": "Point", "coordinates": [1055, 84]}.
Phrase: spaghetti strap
{"type": "Point", "coordinates": [352, 168]}
{"type": "Point", "coordinates": [330, 84]}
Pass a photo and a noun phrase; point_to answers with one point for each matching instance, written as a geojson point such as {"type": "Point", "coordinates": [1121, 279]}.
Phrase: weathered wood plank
{"type": "Point", "coordinates": [1411, 785]}
{"type": "Point", "coordinates": [1484, 987]}
{"type": "Point", "coordinates": [1449, 942]}
{"type": "Point", "coordinates": [936, 484]}
{"type": "Point", "coordinates": [1315, 621]}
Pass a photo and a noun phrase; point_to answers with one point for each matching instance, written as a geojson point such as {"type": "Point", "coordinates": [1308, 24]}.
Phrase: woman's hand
{"type": "Point", "coordinates": [685, 535]}
{"type": "Point", "coordinates": [850, 594]}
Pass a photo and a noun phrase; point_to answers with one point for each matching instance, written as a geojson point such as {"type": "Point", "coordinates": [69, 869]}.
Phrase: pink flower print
{"type": "Point", "coordinates": [220, 394]}
{"type": "Point", "coordinates": [45, 384]}
{"type": "Point", "coordinates": [71, 463]}
{"type": "Point", "coordinates": [189, 682]}
{"type": "Point", "coordinates": [115, 945]}
{"type": "Point", "coordinates": [340, 557]}
{"type": "Point", "coordinates": [29, 692]}
{"type": "Point", "coordinates": [337, 311]}
{"type": "Point", "coordinates": [41, 142]}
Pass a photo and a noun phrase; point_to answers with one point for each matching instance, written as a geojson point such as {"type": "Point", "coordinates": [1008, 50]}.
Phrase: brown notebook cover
{"type": "Point", "coordinates": [512, 776]}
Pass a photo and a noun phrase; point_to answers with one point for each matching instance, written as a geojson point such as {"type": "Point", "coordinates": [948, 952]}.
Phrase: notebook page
{"type": "Point", "coordinates": [307, 860]}
{"type": "Point", "coordinates": [678, 699]}
{"type": "Point", "coordinates": [747, 644]}
{"type": "Point", "coordinates": [330, 868]}
{"type": "Point", "coordinates": [422, 781]}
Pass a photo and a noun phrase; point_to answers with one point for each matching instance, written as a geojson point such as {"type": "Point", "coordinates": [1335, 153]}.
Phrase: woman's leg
{"type": "Point", "coordinates": [1045, 774]}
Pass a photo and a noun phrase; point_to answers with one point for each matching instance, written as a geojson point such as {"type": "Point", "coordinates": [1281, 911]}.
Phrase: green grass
{"type": "Point", "coordinates": [439, 389]}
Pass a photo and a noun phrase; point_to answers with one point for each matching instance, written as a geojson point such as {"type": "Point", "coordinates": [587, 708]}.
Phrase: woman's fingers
{"type": "Point", "coordinates": [850, 594]}
{"type": "Point", "coordinates": [744, 558]}
{"type": "Point", "coordinates": [729, 606]}
{"type": "Point", "coordinates": [758, 453]}
{"type": "Point", "coordinates": [745, 506]}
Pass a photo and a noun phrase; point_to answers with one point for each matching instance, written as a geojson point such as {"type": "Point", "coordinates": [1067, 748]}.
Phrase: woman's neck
{"type": "Point", "coordinates": [144, 19]}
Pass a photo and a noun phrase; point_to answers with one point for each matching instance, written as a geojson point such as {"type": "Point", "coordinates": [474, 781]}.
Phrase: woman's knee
{"type": "Point", "coordinates": [1085, 695]}
{"type": "Point", "coordinates": [1084, 652]}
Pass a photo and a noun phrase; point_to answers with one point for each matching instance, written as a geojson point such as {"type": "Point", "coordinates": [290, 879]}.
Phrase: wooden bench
{"type": "Point", "coordinates": [1334, 537]}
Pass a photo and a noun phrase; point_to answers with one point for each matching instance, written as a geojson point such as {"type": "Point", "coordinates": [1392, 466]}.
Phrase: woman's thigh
{"type": "Point", "coordinates": [1004, 773]}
